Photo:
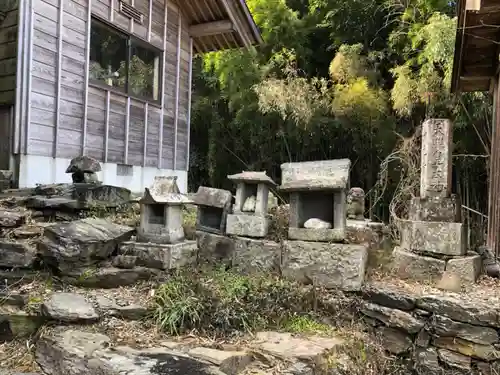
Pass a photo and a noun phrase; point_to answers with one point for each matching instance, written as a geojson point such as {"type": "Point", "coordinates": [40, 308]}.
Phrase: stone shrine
{"type": "Point", "coordinates": [317, 199]}
{"type": "Point", "coordinates": [160, 237]}
{"type": "Point", "coordinates": [318, 220]}
{"type": "Point", "coordinates": [161, 212]}
{"type": "Point", "coordinates": [249, 218]}
{"type": "Point", "coordinates": [213, 207]}
{"type": "Point", "coordinates": [433, 238]}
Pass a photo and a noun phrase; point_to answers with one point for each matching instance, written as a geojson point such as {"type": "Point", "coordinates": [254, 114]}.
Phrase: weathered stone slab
{"type": "Point", "coordinates": [81, 243]}
{"type": "Point", "coordinates": [412, 266]}
{"type": "Point", "coordinates": [436, 157]}
{"type": "Point", "coordinates": [109, 277]}
{"type": "Point", "coordinates": [67, 351]}
{"type": "Point", "coordinates": [434, 237]}
{"type": "Point", "coordinates": [160, 256]}
{"type": "Point", "coordinates": [16, 254]}
{"type": "Point", "coordinates": [443, 326]}
{"type": "Point", "coordinates": [394, 340]}
{"type": "Point", "coordinates": [467, 348]}
{"type": "Point", "coordinates": [69, 308]}
{"type": "Point", "coordinates": [214, 248]}
{"type": "Point", "coordinates": [111, 308]}
{"type": "Point", "coordinates": [427, 362]}
{"type": "Point", "coordinates": [16, 323]}
{"type": "Point", "coordinates": [315, 175]}
{"type": "Point", "coordinates": [247, 225]}
{"type": "Point", "coordinates": [467, 268]}
{"type": "Point", "coordinates": [447, 209]}
{"type": "Point", "coordinates": [229, 362]}
{"type": "Point", "coordinates": [393, 317]}
{"type": "Point", "coordinates": [388, 296]}
{"type": "Point", "coordinates": [461, 309]}
{"type": "Point", "coordinates": [455, 360]}
{"type": "Point", "coordinates": [317, 235]}
{"type": "Point", "coordinates": [326, 264]}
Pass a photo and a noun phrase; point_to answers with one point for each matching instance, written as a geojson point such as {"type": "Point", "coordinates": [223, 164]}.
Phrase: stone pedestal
{"type": "Point", "coordinates": [433, 240]}
{"type": "Point", "coordinates": [213, 207]}
{"type": "Point", "coordinates": [249, 217]}
{"type": "Point", "coordinates": [157, 256]}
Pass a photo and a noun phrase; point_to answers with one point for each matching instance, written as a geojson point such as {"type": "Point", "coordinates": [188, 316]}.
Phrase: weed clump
{"type": "Point", "coordinates": [224, 303]}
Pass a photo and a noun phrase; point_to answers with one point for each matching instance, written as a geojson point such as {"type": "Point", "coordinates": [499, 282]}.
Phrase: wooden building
{"type": "Point", "coordinates": [476, 68]}
{"type": "Point", "coordinates": [109, 79]}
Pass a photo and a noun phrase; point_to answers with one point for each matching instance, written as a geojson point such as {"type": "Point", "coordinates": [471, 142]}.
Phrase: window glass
{"type": "Point", "coordinates": [144, 71]}
{"type": "Point", "coordinates": [108, 56]}
{"type": "Point", "coordinates": [121, 61]}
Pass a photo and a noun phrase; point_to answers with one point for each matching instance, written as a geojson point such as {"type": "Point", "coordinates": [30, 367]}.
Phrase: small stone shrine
{"type": "Point", "coordinates": [249, 217]}
{"type": "Point", "coordinates": [317, 199]}
{"type": "Point", "coordinates": [161, 212]}
{"type": "Point", "coordinates": [315, 251]}
{"type": "Point", "coordinates": [433, 240]}
{"type": "Point", "coordinates": [83, 169]}
{"type": "Point", "coordinates": [5, 180]}
{"type": "Point", "coordinates": [160, 237]}
{"type": "Point", "coordinates": [213, 207]}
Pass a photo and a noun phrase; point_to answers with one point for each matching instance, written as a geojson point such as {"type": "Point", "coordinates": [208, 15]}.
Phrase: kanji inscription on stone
{"type": "Point", "coordinates": [435, 178]}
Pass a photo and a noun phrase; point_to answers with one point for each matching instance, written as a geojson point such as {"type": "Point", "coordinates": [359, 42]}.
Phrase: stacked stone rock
{"type": "Point", "coordinates": [160, 242]}
{"type": "Point", "coordinates": [433, 239]}
{"type": "Point", "coordinates": [441, 333]}
{"type": "Point", "coordinates": [315, 250]}
{"type": "Point", "coordinates": [83, 169]}
{"type": "Point", "coordinates": [249, 217]}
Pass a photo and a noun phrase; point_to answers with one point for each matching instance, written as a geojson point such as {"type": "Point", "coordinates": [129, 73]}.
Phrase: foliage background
{"type": "Point", "coordinates": [341, 79]}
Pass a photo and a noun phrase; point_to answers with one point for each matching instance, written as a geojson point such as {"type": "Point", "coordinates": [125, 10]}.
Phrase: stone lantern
{"type": "Point", "coordinates": [249, 217]}
{"type": "Point", "coordinates": [161, 212]}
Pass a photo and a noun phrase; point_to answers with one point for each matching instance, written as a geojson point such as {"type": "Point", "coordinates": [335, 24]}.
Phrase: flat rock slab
{"type": "Point", "coordinates": [111, 307]}
{"type": "Point", "coordinates": [286, 346]}
{"type": "Point", "coordinates": [69, 308]}
{"type": "Point", "coordinates": [81, 243]}
{"type": "Point", "coordinates": [81, 353]}
{"type": "Point", "coordinates": [247, 225]}
{"type": "Point", "coordinates": [16, 323]}
{"type": "Point", "coordinates": [108, 277]}
{"type": "Point", "coordinates": [326, 264]}
{"type": "Point", "coordinates": [16, 254]}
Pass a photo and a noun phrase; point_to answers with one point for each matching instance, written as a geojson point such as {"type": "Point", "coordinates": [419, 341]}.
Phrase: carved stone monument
{"type": "Point", "coordinates": [213, 207]}
{"type": "Point", "coordinates": [433, 239]}
{"type": "Point", "coordinates": [356, 204]}
{"type": "Point", "coordinates": [317, 199]}
{"type": "Point", "coordinates": [249, 218]}
{"type": "Point", "coordinates": [318, 218]}
{"type": "Point", "coordinates": [160, 237]}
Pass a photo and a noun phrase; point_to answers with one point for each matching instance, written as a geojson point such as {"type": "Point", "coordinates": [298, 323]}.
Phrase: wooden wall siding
{"type": "Point", "coordinates": [183, 101]}
{"type": "Point", "coordinates": [57, 78]}
{"type": "Point", "coordinates": [169, 82]}
{"type": "Point", "coordinates": [65, 116]}
{"type": "Point", "coordinates": [8, 55]}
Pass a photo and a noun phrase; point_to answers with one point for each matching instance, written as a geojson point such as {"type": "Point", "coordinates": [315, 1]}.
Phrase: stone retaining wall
{"type": "Point", "coordinates": [442, 333]}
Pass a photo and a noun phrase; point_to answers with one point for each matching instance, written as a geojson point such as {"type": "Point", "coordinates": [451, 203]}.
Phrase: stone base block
{"type": "Point", "coordinates": [246, 255]}
{"type": "Point", "coordinates": [161, 235]}
{"type": "Point", "coordinates": [433, 237]}
{"type": "Point", "coordinates": [247, 225]}
{"type": "Point", "coordinates": [467, 268]}
{"type": "Point", "coordinates": [317, 235]}
{"type": "Point", "coordinates": [329, 265]}
{"type": "Point", "coordinates": [435, 209]}
{"type": "Point", "coordinates": [158, 256]}
{"type": "Point", "coordinates": [408, 265]}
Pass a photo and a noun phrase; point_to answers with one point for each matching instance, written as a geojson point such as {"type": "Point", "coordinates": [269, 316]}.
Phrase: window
{"type": "Point", "coordinates": [123, 62]}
